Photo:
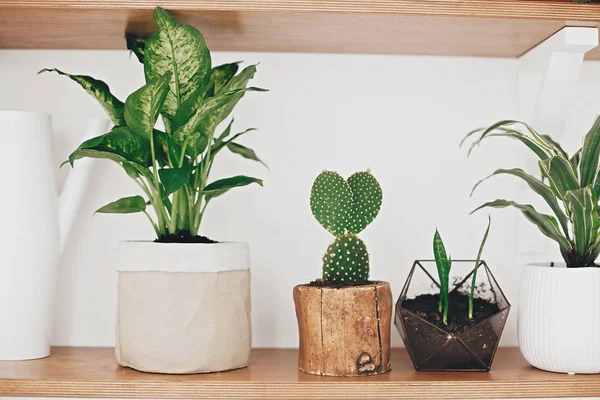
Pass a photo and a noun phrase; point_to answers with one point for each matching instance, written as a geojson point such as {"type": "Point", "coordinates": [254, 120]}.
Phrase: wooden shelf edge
{"type": "Point", "coordinates": [562, 10]}
{"type": "Point", "coordinates": [273, 374]}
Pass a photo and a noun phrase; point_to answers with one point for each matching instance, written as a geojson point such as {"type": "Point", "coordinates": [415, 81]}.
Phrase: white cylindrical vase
{"type": "Point", "coordinates": [29, 242]}
{"type": "Point", "coordinates": [559, 318]}
{"type": "Point", "coordinates": [183, 308]}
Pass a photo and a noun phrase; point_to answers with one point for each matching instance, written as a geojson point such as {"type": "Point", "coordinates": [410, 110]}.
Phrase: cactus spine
{"type": "Point", "coordinates": [345, 208]}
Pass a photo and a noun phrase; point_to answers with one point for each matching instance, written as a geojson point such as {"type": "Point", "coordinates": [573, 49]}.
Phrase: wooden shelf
{"type": "Point", "coordinates": [273, 374]}
{"type": "Point", "coordinates": [494, 28]}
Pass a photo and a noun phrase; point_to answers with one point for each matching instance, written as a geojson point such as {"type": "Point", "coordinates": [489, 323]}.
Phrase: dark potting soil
{"type": "Point", "coordinates": [426, 307]}
{"type": "Point", "coordinates": [184, 237]}
{"type": "Point", "coordinates": [322, 284]}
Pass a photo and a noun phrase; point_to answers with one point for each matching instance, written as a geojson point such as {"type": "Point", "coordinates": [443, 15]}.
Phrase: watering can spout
{"type": "Point", "coordinates": [69, 201]}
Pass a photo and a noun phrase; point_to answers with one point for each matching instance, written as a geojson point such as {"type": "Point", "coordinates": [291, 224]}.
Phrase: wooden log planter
{"type": "Point", "coordinates": [344, 331]}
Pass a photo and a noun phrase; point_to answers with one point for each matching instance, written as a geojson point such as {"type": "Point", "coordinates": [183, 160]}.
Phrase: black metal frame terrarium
{"type": "Point", "coordinates": [433, 347]}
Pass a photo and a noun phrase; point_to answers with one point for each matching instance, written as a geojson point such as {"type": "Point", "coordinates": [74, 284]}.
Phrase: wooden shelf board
{"type": "Point", "coordinates": [273, 374]}
{"type": "Point", "coordinates": [492, 28]}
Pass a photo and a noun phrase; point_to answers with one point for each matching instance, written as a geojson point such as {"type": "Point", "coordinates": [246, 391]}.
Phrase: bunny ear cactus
{"type": "Point", "coordinates": [346, 208]}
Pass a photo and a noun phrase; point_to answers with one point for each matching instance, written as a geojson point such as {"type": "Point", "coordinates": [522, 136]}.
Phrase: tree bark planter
{"type": "Point", "coordinates": [559, 318]}
{"type": "Point", "coordinates": [344, 331]}
{"type": "Point", "coordinates": [434, 346]}
{"type": "Point", "coordinates": [183, 308]}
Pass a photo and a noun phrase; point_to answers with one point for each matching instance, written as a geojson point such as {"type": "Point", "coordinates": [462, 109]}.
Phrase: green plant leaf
{"type": "Point", "coordinates": [512, 134]}
{"type": "Point", "coordinates": [131, 170]}
{"type": "Point", "coordinates": [477, 261]}
{"type": "Point", "coordinates": [556, 145]}
{"type": "Point", "coordinates": [230, 183]}
{"type": "Point", "coordinates": [181, 50]}
{"type": "Point", "coordinates": [100, 91]}
{"type": "Point", "coordinates": [237, 84]}
{"type": "Point", "coordinates": [173, 179]}
{"type": "Point", "coordinates": [560, 174]}
{"type": "Point", "coordinates": [590, 156]}
{"type": "Point", "coordinates": [118, 145]}
{"type": "Point", "coordinates": [583, 208]}
{"type": "Point", "coordinates": [221, 75]}
{"type": "Point", "coordinates": [136, 45]}
{"type": "Point", "coordinates": [545, 223]}
{"type": "Point", "coordinates": [244, 152]}
{"type": "Point", "coordinates": [538, 187]}
{"type": "Point", "coordinates": [331, 202]}
{"type": "Point", "coordinates": [189, 130]}
{"type": "Point", "coordinates": [443, 265]}
{"type": "Point", "coordinates": [143, 106]}
{"type": "Point", "coordinates": [126, 205]}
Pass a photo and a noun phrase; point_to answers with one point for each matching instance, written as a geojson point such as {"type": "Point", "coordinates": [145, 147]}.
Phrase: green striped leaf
{"type": "Point", "coordinates": [443, 264]}
{"type": "Point", "coordinates": [181, 50]}
{"type": "Point", "coordinates": [100, 91]}
{"type": "Point", "coordinates": [545, 223]}
{"type": "Point", "coordinates": [590, 156]}
{"type": "Point", "coordinates": [538, 187]}
{"type": "Point", "coordinates": [560, 174]}
{"type": "Point", "coordinates": [221, 75]}
{"type": "Point", "coordinates": [143, 106]}
{"type": "Point", "coordinates": [583, 207]}
{"type": "Point", "coordinates": [516, 135]}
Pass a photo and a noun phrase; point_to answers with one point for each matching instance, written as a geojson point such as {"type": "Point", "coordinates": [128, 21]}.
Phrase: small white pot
{"type": "Point", "coordinates": [183, 308]}
{"type": "Point", "coordinates": [559, 318]}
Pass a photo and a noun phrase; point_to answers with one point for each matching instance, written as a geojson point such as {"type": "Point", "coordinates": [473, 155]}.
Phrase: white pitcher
{"type": "Point", "coordinates": [32, 236]}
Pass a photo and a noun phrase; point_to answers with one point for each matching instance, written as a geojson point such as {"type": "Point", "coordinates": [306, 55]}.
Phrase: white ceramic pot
{"type": "Point", "coordinates": [559, 318]}
{"type": "Point", "coordinates": [183, 308]}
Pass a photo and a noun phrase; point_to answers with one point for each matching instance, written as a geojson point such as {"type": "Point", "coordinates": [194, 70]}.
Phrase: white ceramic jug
{"type": "Point", "coordinates": [32, 234]}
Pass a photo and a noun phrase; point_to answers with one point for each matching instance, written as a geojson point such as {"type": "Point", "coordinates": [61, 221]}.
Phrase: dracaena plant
{"type": "Point", "coordinates": [171, 166]}
{"type": "Point", "coordinates": [569, 185]}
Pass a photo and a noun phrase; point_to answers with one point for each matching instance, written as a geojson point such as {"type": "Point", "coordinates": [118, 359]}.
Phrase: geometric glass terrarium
{"type": "Point", "coordinates": [434, 346]}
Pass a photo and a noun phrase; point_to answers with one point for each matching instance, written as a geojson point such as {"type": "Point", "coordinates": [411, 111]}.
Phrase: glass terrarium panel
{"type": "Point", "coordinates": [433, 347]}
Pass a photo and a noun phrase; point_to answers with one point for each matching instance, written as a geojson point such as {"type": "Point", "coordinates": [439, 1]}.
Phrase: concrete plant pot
{"type": "Point", "coordinates": [183, 308]}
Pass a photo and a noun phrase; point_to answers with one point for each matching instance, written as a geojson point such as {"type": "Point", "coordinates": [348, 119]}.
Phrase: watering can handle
{"type": "Point", "coordinates": [69, 201]}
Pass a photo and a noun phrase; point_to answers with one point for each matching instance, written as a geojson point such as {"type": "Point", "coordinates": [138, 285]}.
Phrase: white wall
{"type": "Point", "coordinates": [401, 116]}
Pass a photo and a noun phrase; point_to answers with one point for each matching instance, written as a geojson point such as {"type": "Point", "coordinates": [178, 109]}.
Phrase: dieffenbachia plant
{"type": "Point", "coordinates": [172, 167]}
{"type": "Point", "coordinates": [345, 208]}
{"type": "Point", "coordinates": [444, 264]}
{"type": "Point", "coordinates": [570, 186]}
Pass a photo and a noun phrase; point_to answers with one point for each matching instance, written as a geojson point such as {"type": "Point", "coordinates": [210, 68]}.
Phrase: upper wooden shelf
{"type": "Point", "coordinates": [273, 374]}
{"type": "Point", "coordinates": [493, 28]}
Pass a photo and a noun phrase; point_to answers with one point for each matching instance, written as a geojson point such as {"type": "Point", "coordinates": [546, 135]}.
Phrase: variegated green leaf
{"type": "Point", "coordinates": [545, 223]}
{"type": "Point", "coordinates": [230, 183]}
{"type": "Point", "coordinates": [143, 106]}
{"type": "Point", "coordinates": [560, 174]}
{"type": "Point", "coordinates": [512, 134]}
{"type": "Point", "coordinates": [100, 91]}
{"type": "Point", "coordinates": [583, 208]}
{"type": "Point", "coordinates": [443, 264]}
{"type": "Point", "coordinates": [245, 152]}
{"type": "Point", "coordinates": [221, 75]}
{"type": "Point", "coordinates": [126, 205]}
{"type": "Point", "coordinates": [181, 50]}
{"type": "Point", "coordinates": [590, 156]}
{"type": "Point", "coordinates": [137, 46]}
{"type": "Point", "coordinates": [537, 186]}
{"type": "Point", "coordinates": [119, 145]}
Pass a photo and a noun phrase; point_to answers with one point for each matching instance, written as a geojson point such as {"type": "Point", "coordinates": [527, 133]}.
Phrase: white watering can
{"type": "Point", "coordinates": [35, 229]}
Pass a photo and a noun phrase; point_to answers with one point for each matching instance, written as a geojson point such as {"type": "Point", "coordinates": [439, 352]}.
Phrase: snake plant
{"type": "Point", "coordinates": [171, 166]}
{"type": "Point", "coordinates": [569, 185]}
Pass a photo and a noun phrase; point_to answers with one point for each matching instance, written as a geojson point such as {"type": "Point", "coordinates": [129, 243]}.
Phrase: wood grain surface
{"type": "Point", "coordinates": [273, 374]}
{"type": "Point", "coordinates": [488, 28]}
{"type": "Point", "coordinates": [345, 331]}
